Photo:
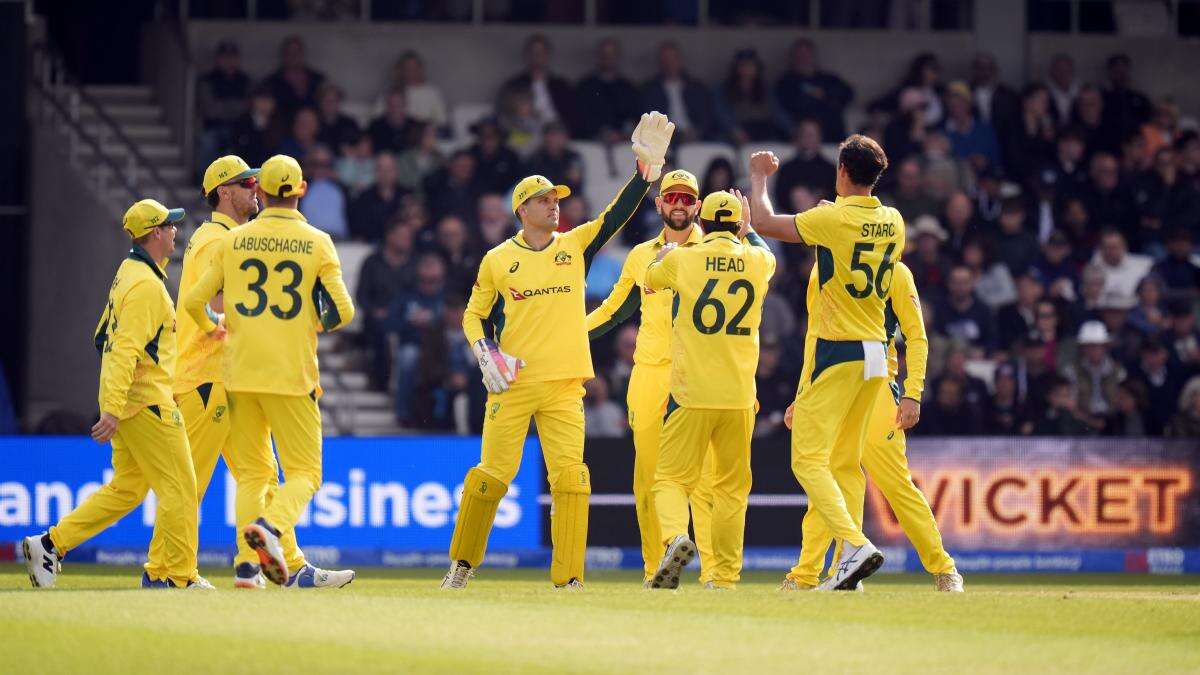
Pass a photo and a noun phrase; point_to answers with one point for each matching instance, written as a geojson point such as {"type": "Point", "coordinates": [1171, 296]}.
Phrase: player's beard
{"type": "Point", "coordinates": [670, 223]}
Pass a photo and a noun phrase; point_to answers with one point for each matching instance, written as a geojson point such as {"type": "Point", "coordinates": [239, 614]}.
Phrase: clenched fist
{"type": "Point", "coordinates": [763, 163]}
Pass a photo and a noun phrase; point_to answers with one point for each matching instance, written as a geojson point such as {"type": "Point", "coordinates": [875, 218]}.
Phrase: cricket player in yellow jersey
{"type": "Point", "coordinates": [719, 287]}
{"type": "Point", "coordinates": [526, 321]}
{"type": "Point", "coordinates": [650, 382]}
{"type": "Point", "coordinates": [282, 284]}
{"type": "Point", "coordinates": [858, 241]}
{"type": "Point", "coordinates": [883, 455]}
{"type": "Point", "coordinates": [229, 187]}
{"type": "Point", "coordinates": [136, 341]}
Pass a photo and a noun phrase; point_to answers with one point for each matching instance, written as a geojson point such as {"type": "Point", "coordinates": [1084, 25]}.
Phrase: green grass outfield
{"type": "Point", "coordinates": [98, 621]}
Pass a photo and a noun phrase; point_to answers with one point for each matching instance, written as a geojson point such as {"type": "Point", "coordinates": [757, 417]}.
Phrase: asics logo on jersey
{"type": "Point", "coordinates": [514, 267]}
{"type": "Point", "coordinates": [533, 292]}
{"type": "Point", "coordinates": [562, 258]}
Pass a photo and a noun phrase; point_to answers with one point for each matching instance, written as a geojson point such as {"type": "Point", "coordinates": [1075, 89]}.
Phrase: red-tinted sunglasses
{"type": "Point", "coordinates": [249, 182]}
{"type": "Point", "coordinates": [682, 198]}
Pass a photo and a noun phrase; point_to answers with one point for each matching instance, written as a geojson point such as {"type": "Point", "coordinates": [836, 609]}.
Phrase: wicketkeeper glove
{"type": "Point", "coordinates": [499, 369]}
{"type": "Point", "coordinates": [651, 137]}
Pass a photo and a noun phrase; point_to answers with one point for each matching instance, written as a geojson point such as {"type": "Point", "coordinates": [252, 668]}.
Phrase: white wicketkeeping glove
{"type": "Point", "coordinates": [651, 137]}
{"type": "Point", "coordinates": [499, 369]}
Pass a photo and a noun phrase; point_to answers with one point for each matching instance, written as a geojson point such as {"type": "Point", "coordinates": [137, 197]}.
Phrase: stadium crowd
{"type": "Point", "coordinates": [1051, 230]}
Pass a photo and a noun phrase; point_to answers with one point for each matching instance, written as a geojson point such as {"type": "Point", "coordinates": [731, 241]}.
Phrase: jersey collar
{"type": "Point", "coordinates": [223, 220]}
{"type": "Point", "coordinates": [143, 256]}
{"type": "Point", "coordinates": [695, 236]}
{"type": "Point", "coordinates": [720, 235]}
{"type": "Point", "coordinates": [519, 240]}
{"type": "Point", "coordinates": [281, 212]}
{"type": "Point", "coordinates": [855, 200]}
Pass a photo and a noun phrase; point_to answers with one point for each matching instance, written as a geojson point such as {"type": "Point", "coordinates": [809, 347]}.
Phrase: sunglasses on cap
{"type": "Point", "coordinates": [680, 198]}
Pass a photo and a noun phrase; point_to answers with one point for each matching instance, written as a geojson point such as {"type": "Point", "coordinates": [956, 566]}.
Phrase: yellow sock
{"type": "Point", "coordinates": [569, 523]}
{"type": "Point", "coordinates": [481, 496]}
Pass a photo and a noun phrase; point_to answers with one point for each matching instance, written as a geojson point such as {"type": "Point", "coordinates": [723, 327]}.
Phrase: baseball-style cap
{"type": "Point", "coordinates": [721, 207]}
{"type": "Point", "coordinates": [1093, 333]}
{"type": "Point", "coordinates": [224, 170]}
{"type": "Point", "coordinates": [280, 176]}
{"type": "Point", "coordinates": [146, 215]}
{"type": "Point", "coordinates": [679, 181]}
{"type": "Point", "coordinates": [535, 186]}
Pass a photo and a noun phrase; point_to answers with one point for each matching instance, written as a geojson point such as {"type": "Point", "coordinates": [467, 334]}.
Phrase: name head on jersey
{"type": "Point", "coordinates": [280, 176]}
{"type": "Point", "coordinates": [720, 212]}
{"type": "Point", "coordinates": [144, 216]}
{"type": "Point", "coordinates": [536, 186]}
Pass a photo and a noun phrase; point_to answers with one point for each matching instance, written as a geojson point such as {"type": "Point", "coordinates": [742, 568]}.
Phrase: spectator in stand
{"type": "Point", "coordinates": [963, 316]}
{"type": "Point", "coordinates": [622, 363]}
{"type": "Point", "coordinates": [1106, 197]}
{"type": "Point", "coordinates": [1058, 272]}
{"type": "Point", "coordinates": [1014, 321]}
{"type": "Point", "coordinates": [1163, 128]}
{"type": "Point", "coordinates": [961, 224]}
{"type": "Point", "coordinates": [1029, 140]}
{"type": "Point", "coordinates": [807, 167]}
{"type": "Point", "coordinates": [1186, 423]}
{"type": "Point", "coordinates": [1114, 314]}
{"type": "Point", "coordinates": [294, 85]}
{"type": "Point", "coordinates": [374, 208]}
{"type": "Point", "coordinates": [908, 195]}
{"type": "Point", "coordinates": [929, 267]}
{"type": "Point", "coordinates": [1164, 202]}
{"type": "Point", "coordinates": [1033, 368]}
{"type": "Point", "coordinates": [1182, 336]}
{"type": "Point", "coordinates": [324, 202]}
{"type": "Point", "coordinates": [446, 374]}
{"type": "Point", "coordinates": [994, 284]}
{"type": "Point", "coordinates": [222, 96]}
{"type": "Point", "coordinates": [605, 419]}
{"type": "Point", "coordinates": [453, 189]}
{"type": "Point", "coordinates": [413, 311]}
{"type": "Point", "coordinates": [416, 164]}
{"type": "Point", "coordinates": [1149, 317]}
{"type": "Point", "coordinates": [1188, 147]}
{"type": "Point", "coordinates": [553, 97]}
{"type": "Point", "coordinates": [520, 124]}
{"type": "Point", "coordinates": [1128, 418]}
{"type": "Point", "coordinates": [497, 167]}
{"type": "Point", "coordinates": [1016, 246]}
{"type": "Point", "coordinates": [338, 130]}
{"type": "Point", "coordinates": [1122, 269]}
{"type": "Point", "coordinates": [974, 390]}
{"type": "Point", "coordinates": [423, 101]}
{"type": "Point", "coordinates": [356, 166]}
{"type": "Point", "coordinates": [556, 158]}
{"type": "Point", "coordinates": [685, 100]}
{"type": "Point", "coordinates": [305, 128]}
{"type": "Point", "coordinates": [1068, 162]}
{"type": "Point", "coordinates": [997, 104]}
{"type": "Point", "coordinates": [384, 274]}
{"type": "Point", "coordinates": [746, 106]}
{"type": "Point", "coordinates": [1095, 375]}
{"type": "Point", "coordinates": [1161, 383]}
{"type": "Point", "coordinates": [776, 387]}
{"type": "Point", "coordinates": [1058, 347]}
{"type": "Point", "coordinates": [1006, 416]}
{"type": "Point", "coordinates": [1063, 87]}
{"type": "Point", "coordinates": [1061, 416]}
{"type": "Point", "coordinates": [949, 415]}
{"type": "Point", "coordinates": [258, 132]}
{"type": "Point", "coordinates": [1179, 269]}
{"type": "Point", "coordinates": [718, 176]}
{"type": "Point", "coordinates": [925, 79]}
{"type": "Point", "coordinates": [807, 92]}
{"type": "Point", "coordinates": [971, 139]}
{"type": "Point", "coordinates": [1125, 108]}
{"type": "Point", "coordinates": [1075, 222]}
{"type": "Point", "coordinates": [1090, 119]}
{"type": "Point", "coordinates": [393, 131]}
{"type": "Point", "coordinates": [495, 220]}
{"type": "Point", "coordinates": [906, 132]}
{"type": "Point", "coordinates": [1091, 291]}
{"type": "Point", "coordinates": [462, 260]}
{"type": "Point", "coordinates": [608, 101]}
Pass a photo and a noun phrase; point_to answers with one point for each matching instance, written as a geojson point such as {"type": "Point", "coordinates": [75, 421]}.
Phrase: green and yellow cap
{"type": "Point", "coordinates": [721, 207]}
{"type": "Point", "coordinates": [226, 169]}
{"type": "Point", "coordinates": [535, 186]}
{"type": "Point", "coordinates": [679, 181]}
{"type": "Point", "coordinates": [281, 176]}
{"type": "Point", "coordinates": [144, 216]}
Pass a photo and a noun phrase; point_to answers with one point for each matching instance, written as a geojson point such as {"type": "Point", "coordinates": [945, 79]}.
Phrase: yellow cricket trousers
{"type": "Point", "coordinates": [649, 388]}
{"type": "Point", "coordinates": [885, 461]}
{"type": "Point", "coordinates": [687, 435]}
{"type": "Point", "coordinates": [832, 401]}
{"type": "Point", "coordinates": [150, 452]}
{"type": "Point", "coordinates": [295, 424]}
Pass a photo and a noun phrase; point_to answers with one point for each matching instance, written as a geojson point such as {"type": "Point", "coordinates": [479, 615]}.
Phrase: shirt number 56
{"type": "Point", "coordinates": [879, 280]}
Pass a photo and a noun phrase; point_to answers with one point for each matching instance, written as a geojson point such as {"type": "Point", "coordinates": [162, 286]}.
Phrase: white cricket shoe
{"type": "Point", "coordinates": [264, 539]}
{"type": "Point", "coordinates": [572, 585]}
{"type": "Point", "coordinates": [679, 553]}
{"type": "Point", "coordinates": [315, 577]}
{"type": "Point", "coordinates": [789, 584]}
{"type": "Point", "coordinates": [200, 584]}
{"type": "Point", "coordinates": [949, 582]}
{"type": "Point", "coordinates": [247, 575]}
{"type": "Point", "coordinates": [857, 563]}
{"type": "Point", "coordinates": [458, 575]}
{"type": "Point", "coordinates": [43, 564]}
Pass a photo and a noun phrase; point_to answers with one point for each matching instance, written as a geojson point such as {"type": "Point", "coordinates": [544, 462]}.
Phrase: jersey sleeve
{"type": "Point", "coordinates": [663, 273]}
{"type": "Point", "coordinates": [133, 332]}
{"type": "Point", "coordinates": [593, 235]}
{"type": "Point", "coordinates": [478, 321]}
{"type": "Point", "coordinates": [195, 302]}
{"type": "Point", "coordinates": [621, 303]}
{"type": "Point", "coordinates": [907, 306]}
{"type": "Point", "coordinates": [816, 225]}
{"type": "Point", "coordinates": [334, 306]}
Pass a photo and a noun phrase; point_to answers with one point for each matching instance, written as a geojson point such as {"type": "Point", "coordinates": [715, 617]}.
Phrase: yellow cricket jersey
{"type": "Point", "coordinates": [136, 339]}
{"type": "Point", "coordinates": [200, 356]}
{"type": "Point", "coordinates": [719, 288]}
{"type": "Point", "coordinates": [630, 293]}
{"type": "Point", "coordinates": [532, 302]}
{"type": "Point", "coordinates": [282, 284]}
{"type": "Point", "coordinates": [903, 310]}
{"type": "Point", "coordinates": [858, 241]}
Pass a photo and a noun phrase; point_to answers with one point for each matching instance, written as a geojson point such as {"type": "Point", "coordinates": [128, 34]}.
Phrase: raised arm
{"type": "Point", "coordinates": [766, 221]}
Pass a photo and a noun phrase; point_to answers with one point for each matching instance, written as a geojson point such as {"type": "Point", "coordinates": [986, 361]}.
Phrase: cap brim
{"type": "Point", "coordinates": [175, 215]}
{"type": "Point", "coordinates": [680, 187]}
{"type": "Point", "coordinates": [561, 190]}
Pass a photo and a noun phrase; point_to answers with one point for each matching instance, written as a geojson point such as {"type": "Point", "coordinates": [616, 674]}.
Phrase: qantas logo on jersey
{"type": "Point", "coordinates": [533, 292]}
